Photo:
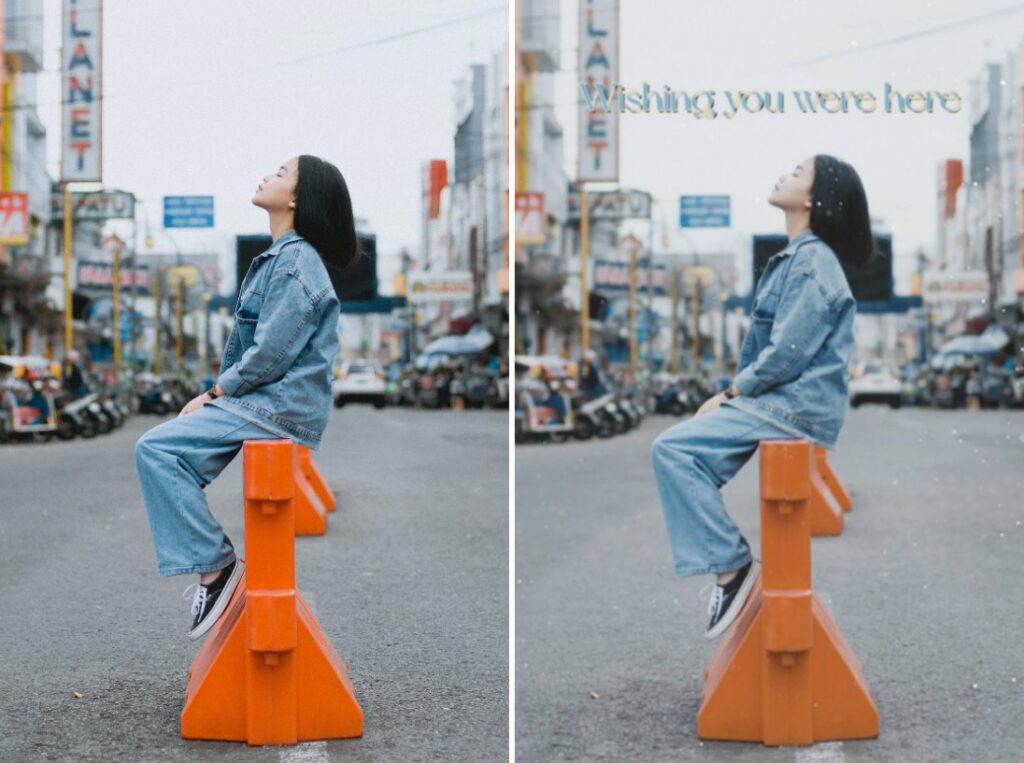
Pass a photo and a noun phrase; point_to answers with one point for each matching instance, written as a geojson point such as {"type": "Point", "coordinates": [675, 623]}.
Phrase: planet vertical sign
{"type": "Point", "coordinates": [82, 91]}
{"type": "Point", "coordinates": [598, 157]}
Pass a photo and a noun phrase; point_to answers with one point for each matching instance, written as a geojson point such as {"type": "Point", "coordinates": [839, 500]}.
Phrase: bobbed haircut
{"type": "Point", "coordinates": [323, 212]}
{"type": "Point", "coordinates": [839, 211]}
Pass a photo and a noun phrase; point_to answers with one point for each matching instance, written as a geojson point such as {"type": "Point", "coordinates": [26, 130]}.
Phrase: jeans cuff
{"type": "Point", "coordinates": [716, 569]}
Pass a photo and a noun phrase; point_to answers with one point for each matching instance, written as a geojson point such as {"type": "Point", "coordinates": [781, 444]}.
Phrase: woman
{"type": "Point", "coordinates": [791, 377]}
{"type": "Point", "coordinates": [275, 380]}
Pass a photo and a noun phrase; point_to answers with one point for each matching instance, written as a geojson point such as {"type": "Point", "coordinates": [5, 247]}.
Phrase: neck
{"type": "Point", "coordinates": [797, 222]}
{"type": "Point", "coordinates": [281, 223]}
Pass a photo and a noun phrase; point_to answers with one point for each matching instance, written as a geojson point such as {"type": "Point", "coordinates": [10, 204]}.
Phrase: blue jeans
{"type": "Point", "coordinates": [175, 461]}
{"type": "Point", "coordinates": [692, 461]}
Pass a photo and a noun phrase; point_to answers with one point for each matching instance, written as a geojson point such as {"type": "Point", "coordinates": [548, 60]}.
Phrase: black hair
{"type": "Point", "coordinates": [323, 212]}
{"type": "Point", "coordinates": [839, 211]}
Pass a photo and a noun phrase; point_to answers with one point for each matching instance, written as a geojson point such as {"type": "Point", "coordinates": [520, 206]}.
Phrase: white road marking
{"type": "Point", "coordinates": [307, 752]}
{"type": "Point", "coordinates": [824, 752]}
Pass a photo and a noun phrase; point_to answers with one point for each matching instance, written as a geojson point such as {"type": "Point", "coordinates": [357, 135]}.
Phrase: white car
{"type": "Point", "coordinates": [360, 381]}
{"type": "Point", "coordinates": [876, 381]}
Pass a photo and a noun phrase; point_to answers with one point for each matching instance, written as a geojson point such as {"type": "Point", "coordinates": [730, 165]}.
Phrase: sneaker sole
{"type": "Point", "coordinates": [222, 602]}
{"type": "Point", "coordinates": [737, 604]}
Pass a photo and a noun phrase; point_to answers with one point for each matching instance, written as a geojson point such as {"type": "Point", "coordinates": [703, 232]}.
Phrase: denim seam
{"type": "Point", "coordinates": [180, 504]}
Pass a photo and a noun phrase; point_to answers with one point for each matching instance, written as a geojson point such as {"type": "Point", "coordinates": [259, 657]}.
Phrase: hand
{"type": "Point", "coordinates": [711, 403]}
{"type": "Point", "coordinates": [195, 404]}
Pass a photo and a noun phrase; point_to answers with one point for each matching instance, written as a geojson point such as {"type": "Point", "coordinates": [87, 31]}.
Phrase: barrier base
{"type": "Point", "coordinates": [235, 694]}
{"type": "Point", "coordinates": [753, 695]}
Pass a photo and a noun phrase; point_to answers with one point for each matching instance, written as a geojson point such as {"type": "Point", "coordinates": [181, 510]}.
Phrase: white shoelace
{"type": "Point", "coordinates": [199, 600]}
{"type": "Point", "coordinates": [716, 597]}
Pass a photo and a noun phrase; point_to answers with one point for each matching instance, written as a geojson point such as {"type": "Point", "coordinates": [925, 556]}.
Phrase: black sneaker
{"type": "Point", "coordinates": [209, 601]}
{"type": "Point", "coordinates": [727, 601]}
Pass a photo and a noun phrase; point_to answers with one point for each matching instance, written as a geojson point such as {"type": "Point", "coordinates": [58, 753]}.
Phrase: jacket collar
{"type": "Point", "coordinates": [283, 239]}
{"type": "Point", "coordinates": [795, 242]}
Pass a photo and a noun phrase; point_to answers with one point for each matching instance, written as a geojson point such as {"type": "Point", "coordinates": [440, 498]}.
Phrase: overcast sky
{"type": "Point", "coordinates": [197, 103]}
{"type": "Point", "coordinates": [758, 45]}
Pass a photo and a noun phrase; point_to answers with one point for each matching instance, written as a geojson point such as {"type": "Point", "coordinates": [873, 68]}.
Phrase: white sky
{"type": "Point", "coordinates": [196, 106]}
{"type": "Point", "coordinates": [757, 45]}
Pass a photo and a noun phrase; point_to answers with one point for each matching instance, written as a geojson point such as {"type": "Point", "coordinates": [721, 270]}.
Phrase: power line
{"type": "Point", "coordinates": [913, 35]}
{"type": "Point", "coordinates": [287, 62]}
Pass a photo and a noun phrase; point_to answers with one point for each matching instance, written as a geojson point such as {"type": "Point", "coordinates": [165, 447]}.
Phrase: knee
{"type": "Point", "coordinates": [662, 448]}
{"type": "Point", "coordinates": [141, 446]}
{"type": "Point", "coordinates": [667, 450]}
{"type": "Point", "coordinates": [145, 447]}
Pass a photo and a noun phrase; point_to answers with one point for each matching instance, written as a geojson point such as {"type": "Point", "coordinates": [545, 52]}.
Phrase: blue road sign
{"type": "Point", "coordinates": [188, 211]}
{"type": "Point", "coordinates": [703, 211]}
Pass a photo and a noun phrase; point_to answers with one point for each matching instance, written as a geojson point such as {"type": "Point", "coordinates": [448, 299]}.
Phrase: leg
{"type": "Point", "coordinates": [175, 461]}
{"type": "Point", "coordinates": [692, 461]}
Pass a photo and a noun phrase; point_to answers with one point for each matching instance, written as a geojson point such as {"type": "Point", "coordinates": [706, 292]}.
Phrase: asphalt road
{"type": "Point", "coordinates": [410, 583]}
{"type": "Point", "coordinates": [923, 584]}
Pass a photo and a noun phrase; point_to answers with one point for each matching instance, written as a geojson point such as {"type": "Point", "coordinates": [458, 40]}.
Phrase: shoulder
{"type": "Point", "coordinates": [816, 260]}
{"type": "Point", "coordinates": [302, 261]}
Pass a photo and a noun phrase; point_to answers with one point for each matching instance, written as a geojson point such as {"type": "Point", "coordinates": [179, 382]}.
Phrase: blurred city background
{"type": "Point", "coordinates": [679, 226]}
{"type": "Point", "coordinates": [160, 121]}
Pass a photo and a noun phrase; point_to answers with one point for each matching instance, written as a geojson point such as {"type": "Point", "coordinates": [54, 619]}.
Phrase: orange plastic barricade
{"type": "Point", "coordinates": [783, 673]}
{"type": "Point", "coordinates": [831, 480]}
{"type": "Point", "coordinates": [826, 514]}
{"type": "Point", "coordinates": [316, 479]}
{"type": "Point", "coordinates": [310, 512]}
{"type": "Point", "coordinates": [267, 673]}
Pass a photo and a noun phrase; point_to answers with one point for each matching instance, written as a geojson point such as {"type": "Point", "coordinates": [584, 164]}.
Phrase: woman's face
{"type": "Point", "coordinates": [793, 191]}
{"type": "Point", "coordinates": [277, 191]}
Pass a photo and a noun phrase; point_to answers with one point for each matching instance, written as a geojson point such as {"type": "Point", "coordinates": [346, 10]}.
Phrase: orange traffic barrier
{"type": "Point", "coordinates": [783, 673]}
{"type": "Point", "coordinates": [833, 482]}
{"type": "Point", "coordinates": [825, 512]}
{"type": "Point", "coordinates": [316, 479]}
{"type": "Point", "coordinates": [267, 673]}
{"type": "Point", "coordinates": [310, 512]}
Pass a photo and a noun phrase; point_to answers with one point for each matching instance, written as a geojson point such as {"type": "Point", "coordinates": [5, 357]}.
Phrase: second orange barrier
{"type": "Point", "coordinates": [316, 479]}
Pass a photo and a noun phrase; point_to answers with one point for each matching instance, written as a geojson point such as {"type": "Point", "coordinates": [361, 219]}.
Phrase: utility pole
{"type": "Point", "coordinates": [180, 339]}
{"type": "Point", "coordinates": [68, 335]}
{"type": "Point", "coordinates": [584, 253]}
{"type": "Point", "coordinates": [634, 350]}
{"type": "Point", "coordinates": [673, 293]}
{"type": "Point", "coordinates": [156, 321]}
{"type": "Point", "coordinates": [116, 317]}
{"type": "Point", "coordinates": [696, 324]}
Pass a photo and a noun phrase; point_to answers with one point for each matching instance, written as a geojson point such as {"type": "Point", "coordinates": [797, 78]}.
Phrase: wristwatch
{"type": "Point", "coordinates": [731, 391]}
{"type": "Point", "coordinates": [212, 392]}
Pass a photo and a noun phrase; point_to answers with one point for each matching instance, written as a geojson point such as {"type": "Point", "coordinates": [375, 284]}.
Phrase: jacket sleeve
{"type": "Point", "coordinates": [285, 325]}
{"type": "Point", "coordinates": [803, 320]}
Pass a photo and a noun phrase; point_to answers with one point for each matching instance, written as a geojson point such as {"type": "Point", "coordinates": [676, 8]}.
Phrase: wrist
{"type": "Point", "coordinates": [731, 391]}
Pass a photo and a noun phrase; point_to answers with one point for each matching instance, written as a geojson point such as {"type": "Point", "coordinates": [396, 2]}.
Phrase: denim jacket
{"type": "Point", "coordinates": [793, 368]}
{"type": "Point", "coordinates": [277, 364]}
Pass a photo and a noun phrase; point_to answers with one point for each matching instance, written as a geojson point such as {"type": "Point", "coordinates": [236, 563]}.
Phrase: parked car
{"type": "Point", "coordinates": [360, 381]}
{"type": "Point", "coordinates": [876, 381]}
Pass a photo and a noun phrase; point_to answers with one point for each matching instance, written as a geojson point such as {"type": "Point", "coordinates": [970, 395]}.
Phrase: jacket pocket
{"type": "Point", "coordinates": [765, 306]}
{"type": "Point", "coordinates": [249, 305]}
